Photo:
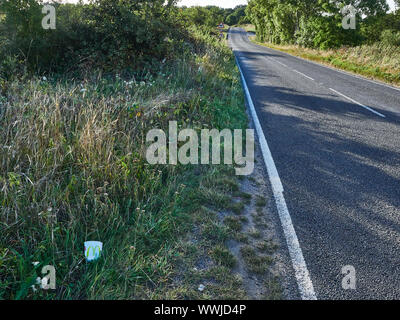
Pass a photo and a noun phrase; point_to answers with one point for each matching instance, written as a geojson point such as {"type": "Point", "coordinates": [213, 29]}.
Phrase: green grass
{"type": "Point", "coordinates": [266, 246]}
{"type": "Point", "coordinates": [73, 168]}
{"type": "Point", "coordinates": [248, 27]}
{"type": "Point", "coordinates": [375, 61]}
{"type": "Point", "coordinates": [233, 223]}
{"type": "Point", "coordinates": [223, 256]}
{"type": "Point", "coordinates": [255, 262]}
{"type": "Point", "coordinates": [261, 201]}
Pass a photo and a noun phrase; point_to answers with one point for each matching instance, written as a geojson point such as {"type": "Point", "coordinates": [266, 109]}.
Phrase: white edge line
{"type": "Point", "coordinates": [304, 282]}
{"type": "Point", "coordinates": [303, 75]}
{"type": "Point", "coordinates": [361, 105]}
{"type": "Point", "coordinates": [281, 63]}
{"type": "Point", "coordinates": [379, 83]}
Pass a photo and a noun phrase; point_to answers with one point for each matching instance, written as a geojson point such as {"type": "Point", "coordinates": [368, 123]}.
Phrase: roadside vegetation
{"type": "Point", "coordinates": [313, 30]}
{"type": "Point", "coordinates": [248, 27]}
{"type": "Point", "coordinates": [75, 106]}
{"type": "Point", "coordinates": [208, 15]}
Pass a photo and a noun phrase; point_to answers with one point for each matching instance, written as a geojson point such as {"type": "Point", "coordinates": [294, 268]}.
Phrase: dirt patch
{"type": "Point", "coordinates": [255, 247]}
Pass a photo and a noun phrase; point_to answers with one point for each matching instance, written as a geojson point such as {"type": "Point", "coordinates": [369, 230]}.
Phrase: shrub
{"type": "Point", "coordinates": [110, 34]}
{"type": "Point", "coordinates": [390, 38]}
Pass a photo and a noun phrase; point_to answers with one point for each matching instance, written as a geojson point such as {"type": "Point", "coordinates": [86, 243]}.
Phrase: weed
{"type": "Point", "coordinates": [261, 201]}
{"type": "Point", "coordinates": [223, 257]}
{"type": "Point", "coordinates": [233, 223]}
{"type": "Point", "coordinates": [254, 262]}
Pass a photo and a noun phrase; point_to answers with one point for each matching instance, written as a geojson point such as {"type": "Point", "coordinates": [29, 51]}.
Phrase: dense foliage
{"type": "Point", "coordinates": [106, 33]}
{"type": "Point", "coordinates": [318, 23]}
{"type": "Point", "coordinates": [207, 16]}
{"type": "Point", "coordinates": [110, 34]}
{"type": "Point", "coordinates": [76, 104]}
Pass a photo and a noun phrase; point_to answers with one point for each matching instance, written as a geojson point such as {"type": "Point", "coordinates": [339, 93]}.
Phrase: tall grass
{"type": "Point", "coordinates": [73, 168]}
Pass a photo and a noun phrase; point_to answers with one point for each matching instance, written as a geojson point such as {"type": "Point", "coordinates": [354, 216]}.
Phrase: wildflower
{"type": "Point", "coordinates": [44, 78]}
{"type": "Point", "coordinates": [201, 287]}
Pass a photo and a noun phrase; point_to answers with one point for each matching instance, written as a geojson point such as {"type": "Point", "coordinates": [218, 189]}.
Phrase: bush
{"type": "Point", "coordinates": [110, 34]}
{"type": "Point", "coordinates": [390, 38]}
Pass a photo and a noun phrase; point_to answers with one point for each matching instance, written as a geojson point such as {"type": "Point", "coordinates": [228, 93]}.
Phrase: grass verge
{"type": "Point", "coordinates": [248, 27]}
{"type": "Point", "coordinates": [73, 168]}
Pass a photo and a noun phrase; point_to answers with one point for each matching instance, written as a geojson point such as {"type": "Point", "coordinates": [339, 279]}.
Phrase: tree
{"type": "Point", "coordinates": [313, 23]}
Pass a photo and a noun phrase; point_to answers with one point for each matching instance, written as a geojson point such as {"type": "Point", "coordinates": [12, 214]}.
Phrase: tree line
{"type": "Point", "coordinates": [208, 15]}
{"type": "Point", "coordinates": [318, 23]}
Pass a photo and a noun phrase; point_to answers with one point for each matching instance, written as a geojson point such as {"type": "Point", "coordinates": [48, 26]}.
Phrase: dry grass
{"type": "Point", "coordinates": [73, 168]}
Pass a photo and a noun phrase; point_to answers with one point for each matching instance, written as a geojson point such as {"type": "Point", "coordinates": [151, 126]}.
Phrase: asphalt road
{"type": "Point", "coordinates": [338, 156]}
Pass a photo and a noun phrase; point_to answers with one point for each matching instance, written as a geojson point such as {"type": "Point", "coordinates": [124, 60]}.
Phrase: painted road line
{"type": "Point", "coordinates": [304, 282]}
{"type": "Point", "coordinates": [304, 75]}
{"type": "Point", "coordinates": [377, 82]}
{"type": "Point", "coordinates": [361, 105]}
{"type": "Point", "coordinates": [281, 63]}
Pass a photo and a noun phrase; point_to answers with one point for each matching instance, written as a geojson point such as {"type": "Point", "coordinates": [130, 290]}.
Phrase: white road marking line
{"type": "Point", "coordinates": [281, 63]}
{"type": "Point", "coordinates": [304, 282]}
{"type": "Point", "coordinates": [332, 68]}
{"type": "Point", "coordinates": [354, 101]}
{"type": "Point", "coordinates": [303, 75]}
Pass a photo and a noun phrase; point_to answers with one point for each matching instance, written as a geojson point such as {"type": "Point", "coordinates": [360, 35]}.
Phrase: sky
{"type": "Point", "coordinates": [219, 3]}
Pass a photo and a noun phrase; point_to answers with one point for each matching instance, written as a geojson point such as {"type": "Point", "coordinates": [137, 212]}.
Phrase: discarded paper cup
{"type": "Point", "coordinates": [93, 250]}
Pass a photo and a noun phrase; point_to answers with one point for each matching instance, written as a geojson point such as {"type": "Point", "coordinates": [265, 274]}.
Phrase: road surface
{"type": "Point", "coordinates": [335, 141]}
